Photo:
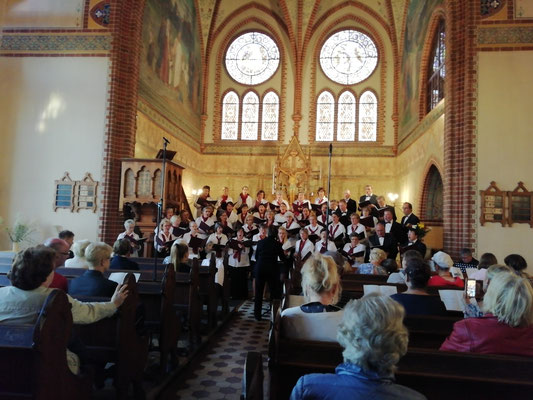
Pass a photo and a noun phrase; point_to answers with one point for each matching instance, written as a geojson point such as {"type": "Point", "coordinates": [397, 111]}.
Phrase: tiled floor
{"type": "Point", "coordinates": [218, 372]}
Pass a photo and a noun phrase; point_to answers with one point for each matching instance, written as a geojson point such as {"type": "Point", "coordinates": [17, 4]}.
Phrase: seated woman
{"type": "Point", "coordinates": [399, 276]}
{"type": "Point", "coordinates": [121, 253]}
{"type": "Point", "coordinates": [517, 263]}
{"type": "Point", "coordinates": [374, 339]}
{"type": "Point", "coordinates": [443, 263]}
{"type": "Point", "coordinates": [179, 255]}
{"type": "Point", "coordinates": [93, 282]}
{"type": "Point", "coordinates": [374, 266]}
{"type": "Point", "coordinates": [506, 327]}
{"type": "Point", "coordinates": [416, 300]}
{"type": "Point", "coordinates": [79, 261]}
{"type": "Point", "coordinates": [318, 318]}
{"type": "Point", "coordinates": [485, 261]}
{"type": "Point", "coordinates": [30, 275]}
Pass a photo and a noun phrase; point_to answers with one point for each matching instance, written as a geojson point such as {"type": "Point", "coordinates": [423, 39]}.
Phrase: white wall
{"type": "Point", "coordinates": [505, 143]}
{"type": "Point", "coordinates": [52, 114]}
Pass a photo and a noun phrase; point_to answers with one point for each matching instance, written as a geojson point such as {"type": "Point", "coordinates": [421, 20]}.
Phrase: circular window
{"type": "Point", "coordinates": [348, 57]}
{"type": "Point", "coordinates": [252, 58]}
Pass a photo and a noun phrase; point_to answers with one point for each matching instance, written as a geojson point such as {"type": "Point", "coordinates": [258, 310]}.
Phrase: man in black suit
{"type": "Point", "coordinates": [384, 241]}
{"type": "Point", "coordinates": [394, 228]}
{"type": "Point", "coordinates": [93, 282]}
{"type": "Point", "coordinates": [267, 269]}
{"type": "Point", "coordinates": [382, 206]}
{"type": "Point", "coordinates": [122, 249]}
{"type": "Point", "coordinates": [351, 204]}
{"type": "Point", "coordinates": [409, 219]}
{"type": "Point", "coordinates": [369, 196]}
{"type": "Point", "coordinates": [413, 243]}
{"type": "Point", "coordinates": [343, 212]}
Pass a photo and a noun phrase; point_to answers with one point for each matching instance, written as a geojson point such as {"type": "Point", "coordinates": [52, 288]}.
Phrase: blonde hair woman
{"type": "Point", "coordinates": [374, 339]}
{"type": "Point", "coordinates": [318, 318]}
{"type": "Point", "coordinates": [374, 266]}
{"type": "Point", "coordinates": [506, 327]}
{"type": "Point", "coordinates": [79, 261]}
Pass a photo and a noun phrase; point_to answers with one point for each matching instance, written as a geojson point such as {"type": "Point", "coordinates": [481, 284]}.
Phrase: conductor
{"type": "Point", "coordinates": [267, 269]}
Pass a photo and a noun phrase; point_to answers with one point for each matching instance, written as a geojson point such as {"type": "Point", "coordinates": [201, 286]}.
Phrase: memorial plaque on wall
{"type": "Point", "coordinates": [493, 205]}
{"type": "Point", "coordinates": [520, 205]}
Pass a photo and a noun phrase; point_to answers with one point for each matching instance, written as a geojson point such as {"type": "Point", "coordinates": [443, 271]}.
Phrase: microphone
{"type": "Point", "coordinates": [166, 140]}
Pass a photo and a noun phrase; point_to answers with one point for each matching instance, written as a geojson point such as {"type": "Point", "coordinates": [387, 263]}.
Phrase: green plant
{"type": "Point", "coordinates": [20, 231]}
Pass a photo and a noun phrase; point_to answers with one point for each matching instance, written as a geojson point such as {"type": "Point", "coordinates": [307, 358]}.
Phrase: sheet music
{"type": "Point", "coordinates": [384, 290]}
{"type": "Point", "coordinates": [452, 299]}
{"type": "Point", "coordinates": [118, 277]}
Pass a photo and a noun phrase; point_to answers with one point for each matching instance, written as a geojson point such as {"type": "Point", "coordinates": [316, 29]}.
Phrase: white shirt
{"type": "Point", "coordinates": [331, 246]}
{"type": "Point", "coordinates": [134, 252]}
{"type": "Point", "coordinates": [209, 222]}
{"type": "Point", "coordinates": [321, 201]}
{"type": "Point", "coordinates": [358, 229]}
{"type": "Point", "coordinates": [244, 259]}
{"type": "Point", "coordinates": [214, 239]}
{"type": "Point", "coordinates": [187, 238]}
{"type": "Point", "coordinates": [336, 230]}
{"type": "Point", "coordinates": [307, 248]}
{"type": "Point", "coordinates": [314, 230]}
{"type": "Point", "coordinates": [323, 326]}
{"type": "Point", "coordinates": [280, 219]}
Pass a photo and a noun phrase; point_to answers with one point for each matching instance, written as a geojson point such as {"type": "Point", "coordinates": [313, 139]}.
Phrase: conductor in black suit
{"type": "Point", "coordinates": [267, 269]}
{"type": "Point", "coordinates": [369, 196]}
{"type": "Point", "coordinates": [384, 241]}
{"type": "Point", "coordinates": [409, 219]}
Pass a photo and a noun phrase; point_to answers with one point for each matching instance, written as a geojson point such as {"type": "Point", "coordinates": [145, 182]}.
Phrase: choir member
{"type": "Point", "coordinates": [291, 225]}
{"type": "Point", "coordinates": [232, 215]}
{"type": "Point", "coordinates": [278, 201]}
{"type": "Point", "coordinates": [304, 247]}
{"type": "Point", "coordinates": [350, 203]}
{"type": "Point", "coordinates": [244, 199]}
{"type": "Point", "coordinates": [249, 227]}
{"type": "Point", "coordinates": [382, 206]}
{"type": "Point", "coordinates": [303, 218]}
{"type": "Point", "coordinates": [321, 247]}
{"type": "Point", "coordinates": [177, 230]}
{"type": "Point", "coordinates": [129, 225]}
{"type": "Point", "coordinates": [299, 204]}
{"type": "Point", "coordinates": [241, 218]}
{"type": "Point", "coordinates": [205, 222]}
{"type": "Point", "coordinates": [193, 239]}
{"type": "Point", "coordinates": [356, 227]}
{"type": "Point", "coordinates": [323, 219]}
{"type": "Point", "coordinates": [337, 231]}
{"type": "Point", "coordinates": [369, 196]}
{"type": "Point", "coordinates": [217, 238]}
{"type": "Point", "coordinates": [223, 199]}
{"type": "Point", "coordinates": [314, 228]}
{"type": "Point", "coordinates": [384, 241]}
{"type": "Point", "coordinates": [260, 199]}
{"type": "Point", "coordinates": [394, 228]}
{"type": "Point", "coordinates": [409, 219]}
{"type": "Point", "coordinates": [164, 238]}
{"type": "Point", "coordinates": [169, 212]}
{"type": "Point", "coordinates": [203, 200]}
{"type": "Point", "coordinates": [270, 219]}
{"type": "Point", "coordinates": [281, 217]}
{"type": "Point", "coordinates": [321, 199]}
{"type": "Point", "coordinates": [366, 212]}
{"type": "Point", "coordinates": [239, 261]}
{"type": "Point", "coordinates": [333, 205]}
{"type": "Point", "coordinates": [223, 220]}
{"type": "Point", "coordinates": [260, 214]}
{"type": "Point", "coordinates": [287, 245]}
{"type": "Point", "coordinates": [353, 248]}
{"type": "Point", "coordinates": [343, 213]}
{"type": "Point", "coordinates": [185, 219]}
{"type": "Point", "coordinates": [413, 243]}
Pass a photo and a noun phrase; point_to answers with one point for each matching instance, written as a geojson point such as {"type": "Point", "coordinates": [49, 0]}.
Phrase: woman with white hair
{"type": "Point", "coordinates": [506, 327]}
{"type": "Point", "coordinates": [374, 339]}
{"type": "Point", "coordinates": [443, 264]}
{"type": "Point", "coordinates": [129, 225]}
{"type": "Point", "coordinates": [79, 261]}
{"type": "Point", "coordinates": [374, 266]}
{"type": "Point", "coordinates": [318, 318]}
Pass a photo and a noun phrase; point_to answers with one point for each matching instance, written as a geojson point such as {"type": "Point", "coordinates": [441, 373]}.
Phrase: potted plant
{"type": "Point", "coordinates": [19, 233]}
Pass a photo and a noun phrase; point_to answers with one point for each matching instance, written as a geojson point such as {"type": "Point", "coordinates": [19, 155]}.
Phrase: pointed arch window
{"type": "Point", "coordinates": [270, 117]}
{"type": "Point", "coordinates": [346, 117]}
{"type": "Point", "coordinates": [230, 116]}
{"type": "Point", "coordinates": [437, 68]}
{"type": "Point", "coordinates": [368, 117]}
{"type": "Point", "coordinates": [250, 116]}
{"type": "Point", "coordinates": [325, 111]}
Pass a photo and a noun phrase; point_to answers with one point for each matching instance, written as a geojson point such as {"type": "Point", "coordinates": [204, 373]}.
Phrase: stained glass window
{"type": "Point", "coordinates": [368, 117]}
{"type": "Point", "coordinates": [230, 116]}
{"type": "Point", "coordinates": [325, 113]}
{"type": "Point", "coordinates": [252, 58]}
{"type": "Point", "coordinates": [346, 117]}
{"type": "Point", "coordinates": [250, 116]}
{"type": "Point", "coordinates": [437, 69]}
{"type": "Point", "coordinates": [348, 57]}
{"type": "Point", "coordinates": [270, 117]}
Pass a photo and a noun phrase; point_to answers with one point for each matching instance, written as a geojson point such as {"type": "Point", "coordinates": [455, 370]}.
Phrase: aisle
{"type": "Point", "coordinates": [217, 374]}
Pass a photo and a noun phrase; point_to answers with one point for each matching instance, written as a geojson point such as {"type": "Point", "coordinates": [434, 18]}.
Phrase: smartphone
{"type": "Point", "coordinates": [471, 288]}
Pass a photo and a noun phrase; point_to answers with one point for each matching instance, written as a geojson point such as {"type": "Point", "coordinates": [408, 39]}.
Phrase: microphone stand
{"type": "Point", "coordinates": [329, 195]}
{"type": "Point", "coordinates": [160, 205]}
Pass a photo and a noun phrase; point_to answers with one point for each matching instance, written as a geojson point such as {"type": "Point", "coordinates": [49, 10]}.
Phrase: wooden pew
{"type": "Point", "coordinates": [209, 291]}
{"type": "Point", "coordinates": [187, 300]}
{"type": "Point", "coordinates": [438, 375]}
{"type": "Point", "coordinates": [252, 381]}
{"type": "Point", "coordinates": [116, 340]}
{"type": "Point", "coordinates": [34, 357]}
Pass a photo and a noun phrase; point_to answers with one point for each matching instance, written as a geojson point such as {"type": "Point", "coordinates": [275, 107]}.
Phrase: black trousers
{"type": "Point", "coordinates": [275, 291]}
{"type": "Point", "coordinates": [239, 282]}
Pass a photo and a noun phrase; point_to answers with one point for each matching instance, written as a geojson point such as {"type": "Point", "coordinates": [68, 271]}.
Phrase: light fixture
{"type": "Point", "coordinates": [194, 192]}
{"type": "Point", "coordinates": [392, 196]}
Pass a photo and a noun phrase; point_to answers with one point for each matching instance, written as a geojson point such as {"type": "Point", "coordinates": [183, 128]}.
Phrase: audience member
{"type": "Point", "coordinates": [318, 318]}
{"type": "Point", "coordinates": [31, 274]}
{"type": "Point", "coordinates": [374, 266]}
{"type": "Point", "coordinates": [179, 254]}
{"type": "Point", "coordinates": [79, 260]}
{"type": "Point", "coordinates": [416, 300]}
{"type": "Point", "coordinates": [61, 249]}
{"type": "Point", "coordinates": [374, 339]}
{"type": "Point", "coordinates": [121, 253]}
{"type": "Point", "coordinates": [443, 263]}
{"type": "Point", "coordinates": [67, 236]}
{"type": "Point", "coordinates": [399, 277]}
{"type": "Point", "coordinates": [485, 261]}
{"type": "Point", "coordinates": [467, 261]}
{"type": "Point", "coordinates": [92, 282]}
{"type": "Point", "coordinates": [517, 263]}
{"type": "Point", "coordinates": [506, 327]}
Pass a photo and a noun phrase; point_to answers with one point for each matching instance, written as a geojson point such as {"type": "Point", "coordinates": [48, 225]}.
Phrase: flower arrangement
{"type": "Point", "coordinates": [421, 230]}
{"type": "Point", "coordinates": [20, 232]}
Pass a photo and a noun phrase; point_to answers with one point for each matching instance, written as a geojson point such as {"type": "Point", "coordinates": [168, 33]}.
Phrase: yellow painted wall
{"type": "Point", "coordinates": [43, 13]}
{"type": "Point", "coordinates": [504, 143]}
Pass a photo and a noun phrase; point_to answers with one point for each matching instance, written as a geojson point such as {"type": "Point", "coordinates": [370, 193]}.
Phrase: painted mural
{"type": "Point", "coordinates": [417, 21]}
{"type": "Point", "coordinates": [170, 66]}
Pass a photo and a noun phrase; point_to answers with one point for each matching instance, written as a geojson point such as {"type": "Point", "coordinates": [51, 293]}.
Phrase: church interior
{"type": "Point", "coordinates": [426, 101]}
